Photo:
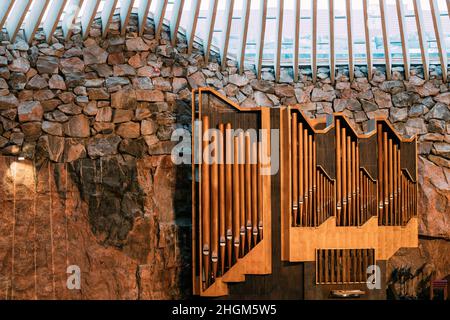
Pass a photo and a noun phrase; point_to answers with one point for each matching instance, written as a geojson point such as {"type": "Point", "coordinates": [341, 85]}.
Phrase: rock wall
{"type": "Point", "coordinates": [101, 112]}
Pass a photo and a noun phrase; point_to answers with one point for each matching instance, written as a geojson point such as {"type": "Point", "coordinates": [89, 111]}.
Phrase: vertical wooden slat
{"type": "Point", "coordinates": [314, 40]}
{"type": "Point", "coordinates": [296, 45]}
{"type": "Point", "coordinates": [107, 14]}
{"type": "Point", "coordinates": [368, 40]}
{"type": "Point", "coordinates": [210, 22]}
{"type": "Point", "coordinates": [158, 17]}
{"type": "Point", "coordinates": [386, 41]}
{"type": "Point", "coordinates": [260, 40]}
{"type": "Point", "coordinates": [351, 67]}
{"type": "Point", "coordinates": [70, 17]}
{"type": "Point", "coordinates": [403, 36]}
{"type": "Point", "coordinates": [175, 20]}
{"type": "Point", "coordinates": [126, 6]}
{"type": "Point", "coordinates": [16, 16]}
{"type": "Point", "coordinates": [245, 15]}
{"type": "Point", "coordinates": [144, 7]}
{"type": "Point", "coordinates": [226, 30]}
{"type": "Point", "coordinates": [5, 9]}
{"type": "Point", "coordinates": [279, 38]}
{"type": "Point", "coordinates": [34, 18]}
{"type": "Point", "coordinates": [422, 40]}
{"type": "Point", "coordinates": [192, 24]}
{"type": "Point", "coordinates": [206, 201]}
{"type": "Point", "coordinates": [88, 16]}
{"type": "Point", "coordinates": [440, 38]}
{"type": "Point", "coordinates": [332, 53]}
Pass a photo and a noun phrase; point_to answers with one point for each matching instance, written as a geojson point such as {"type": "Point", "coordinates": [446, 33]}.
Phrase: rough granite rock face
{"type": "Point", "coordinates": [129, 245]}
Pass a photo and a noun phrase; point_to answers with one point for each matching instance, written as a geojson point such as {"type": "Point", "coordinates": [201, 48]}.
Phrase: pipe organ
{"type": "Point", "coordinates": [341, 201]}
{"type": "Point", "coordinates": [231, 197]}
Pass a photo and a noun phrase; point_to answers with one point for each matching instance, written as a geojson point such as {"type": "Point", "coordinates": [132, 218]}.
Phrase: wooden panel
{"type": "Point", "coordinates": [386, 240]}
{"type": "Point", "coordinates": [34, 19]}
{"type": "Point", "coordinates": [88, 16]}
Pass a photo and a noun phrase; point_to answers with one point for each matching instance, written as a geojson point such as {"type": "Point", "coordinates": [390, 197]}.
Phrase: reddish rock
{"type": "Point", "coordinates": [71, 65]}
{"type": "Point", "coordinates": [77, 127]}
{"type": "Point", "coordinates": [30, 111]}
{"type": "Point", "coordinates": [433, 200]}
{"type": "Point", "coordinates": [136, 44]}
{"type": "Point", "coordinates": [57, 82]}
{"type": "Point", "coordinates": [130, 130]}
{"type": "Point", "coordinates": [149, 95]}
{"type": "Point", "coordinates": [98, 94]}
{"type": "Point", "coordinates": [9, 101]}
{"type": "Point", "coordinates": [94, 55]}
{"type": "Point", "coordinates": [20, 65]}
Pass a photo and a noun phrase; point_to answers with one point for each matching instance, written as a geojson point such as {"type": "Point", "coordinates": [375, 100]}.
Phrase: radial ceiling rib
{"type": "Point", "coordinates": [192, 24]}
{"type": "Point", "coordinates": [314, 39]}
{"type": "Point", "coordinates": [70, 17]}
{"type": "Point", "coordinates": [175, 20]}
{"type": "Point", "coordinates": [260, 40]}
{"type": "Point", "coordinates": [4, 11]}
{"type": "Point", "coordinates": [296, 38]}
{"type": "Point", "coordinates": [107, 14]}
{"type": "Point", "coordinates": [55, 11]}
{"type": "Point", "coordinates": [440, 40]}
{"type": "Point", "coordinates": [126, 6]}
{"type": "Point", "coordinates": [88, 16]}
{"type": "Point", "coordinates": [34, 18]}
{"type": "Point", "coordinates": [368, 40]}
{"type": "Point", "coordinates": [158, 18]}
{"type": "Point", "coordinates": [332, 54]}
{"type": "Point", "coordinates": [386, 42]}
{"type": "Point", "coordinates": [279, 37]}
{"type": "Point", "coordinates": [245, 15]}
{"type": "Point", "coordinates": [144, 7]}
{"type": "Point", "coordinates": [229, 5]}
{"type": "Point", "coordinates": [448, 8]}
{"type": "Point", "coordinates": [210, 22]}
{"type": "Point", "coordinates": [351, 66]}
{"type": "Point", "coordinates": [403, 36]}
{"type": "Point", "coordinates": [421, 32]}
{"type": "Point", "coordinates": [16, 16]}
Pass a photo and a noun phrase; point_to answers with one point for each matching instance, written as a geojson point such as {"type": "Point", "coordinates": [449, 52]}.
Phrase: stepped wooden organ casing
{"type": "Point", "coordinates": [231, 195]}
{"type": "Point", "coordinates": [347, 200]}
{"type": "Point", "coordinates": [351, 198]}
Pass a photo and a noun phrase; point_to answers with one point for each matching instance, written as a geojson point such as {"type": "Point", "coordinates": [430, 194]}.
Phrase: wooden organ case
{"type": "Point", "coordinates": [338, 203]}
{"type": "Point", "coordinates": [351, 203]}
{"type": "Point", "coordinates": [231, 193]}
